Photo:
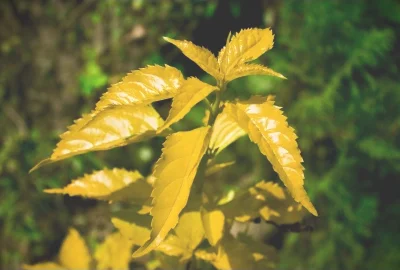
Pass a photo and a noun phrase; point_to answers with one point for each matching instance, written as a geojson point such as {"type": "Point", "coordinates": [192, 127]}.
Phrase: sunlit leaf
{"type": "Point", "coordinates": [188, 234]}
{"type": "Point", "coordinates": [114, 253]}
{"type": "Point", "coordinates": [213, 222]}
{"type": "Point", "coordinates": [192, 92]}
{"type": "Point", "coordinates": [224, 132]}
{"type": "Point", "coordinates": [247, 45]}
{"type": "Point", "coordinates": [43, 266]}
{"type": "Point", "coordinates": [143, 86]}
{"type": "Point", "coordinates": [251, 69]}
{"type": "Point", "coordinates": [174, 173]}
{"type": "Point", "coordinates": [111, 185]}
{"type": "Point", "coordinates": [113, 127]}
{"type": "Point", "coordinates": [132, 226]}
{"type": "Point", "coordinates": [218, 167]}
{"type": "Point", "coordinates": [268, 128]}
{"type": "Point", "coordinates": [74, 253]}
{"type": "Point", "coordinates": [201, 56]}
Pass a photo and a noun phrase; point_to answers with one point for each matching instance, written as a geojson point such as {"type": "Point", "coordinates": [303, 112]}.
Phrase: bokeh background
{"type": "Point", "coordinates": [342, 61]}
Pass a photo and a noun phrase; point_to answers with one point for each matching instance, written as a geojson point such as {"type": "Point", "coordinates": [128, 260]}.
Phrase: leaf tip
{"type": "Point", "coordinates": [40, 164]}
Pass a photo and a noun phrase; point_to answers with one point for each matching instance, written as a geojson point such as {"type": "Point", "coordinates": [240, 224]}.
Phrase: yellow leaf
{"type": "Point", "coordinates": [74, 253]}
{"type": "Point", "coordinates": [247, 45]}
{"type": "Point", "coordinates": [279, 207]}
{"type": "Point", "coordinates": [233, 253]}
{"type": "Point", "coordinates": [268, 128]}
{"type": "Point", "coordinates": [192, 92]}
{"type": "Point", "coordinates": [201, 56]}
{"type": "Point", "coordinates": [218, 167]}
{"type": "Point", "coordinates": [229, 254]}
{"type": "Point", "coordinates": [224, 132]}
{"type": "Point", "coordinates": [174, 173]}
{"type": "Point", "coordinates": [244, 206]}
{"type": "Point", "coordinates": [143, 86]}
{"type": "Point", "coordinates": [132, 226]}
{"type": "Point", "coordinates": [43, 266]}
{"type": "Point", "coordinates": [213, 222]}
{"type": "Point", "coordinates": [251, 69]}
{"type": "Point", "coordinates": [113, 127]}
{"type": "Point", "coordinates": [188, 234]}
{"type": "Point", "coordinates": [114, 253]}
{"type": "Point", "coordinates": [112, 185]}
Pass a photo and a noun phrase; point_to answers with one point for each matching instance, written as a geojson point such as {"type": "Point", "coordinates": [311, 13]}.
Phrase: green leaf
{"type": "Point", "coordinates": [174, 173]}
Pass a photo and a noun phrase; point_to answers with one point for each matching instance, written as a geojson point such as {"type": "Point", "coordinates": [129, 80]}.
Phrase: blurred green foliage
{"type": "Point", "coordinates": [341, 59]}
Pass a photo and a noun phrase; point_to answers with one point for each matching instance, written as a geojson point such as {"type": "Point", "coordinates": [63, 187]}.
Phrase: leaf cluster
{"type": "Point", "coordinates": [170, 211]}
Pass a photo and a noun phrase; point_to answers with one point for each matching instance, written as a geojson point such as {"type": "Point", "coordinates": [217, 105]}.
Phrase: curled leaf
{"type": "Point", "coordinates": [192, 92]}
{"type": "Point", "coordinates": [110, 185]}
{"type": "Point", "coordinates": [143, 86]}
{"type": "Point", "coordinates": [224, 132]}
{"type": "Point", "coordinates": [268, 128]}
{"type": "Point", "coordinates": [201, 56]}
{"type": "Point", "coordinates": [174, 173]}
{"type": "Point", "coordinates": [113, 127]}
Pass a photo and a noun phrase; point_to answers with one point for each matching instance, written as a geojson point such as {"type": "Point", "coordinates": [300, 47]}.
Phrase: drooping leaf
{"type": "Point", "coordinates": [251, 69]}
{"type": "Point", "coordinates": [174, 173]}
{"type": "Point", "coordinates": [268, 128]}
{"type": "Point", "coordinates": [143, 86]}
{"type": "Point", "coordinates": [43, 266]}
{"type": "Point", "coordinates": [111, 185]}
{"type": "Point", "coordinates": [113, 127]}
{"type": "Point", "coordinates": [247, 45]}
{"type": "Point", "coordinates": [74, 253]}
{"type": "Point", "coordinates": [114, 253]}
{"type": "Point", "coordinates": [218, 167]}
{"type": "Point", "coordinates": [201, 56]}
{"type": "Point", "coordinates": [132, 226]}
{"type": "Point", "coordinates": [191, 92]}
{"type": "Point", "coordinates": [188, 234]}
{"type": "Point", "coordinates": [224, 132]}
{"type": "Point", "coordinates": [213, 223]}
